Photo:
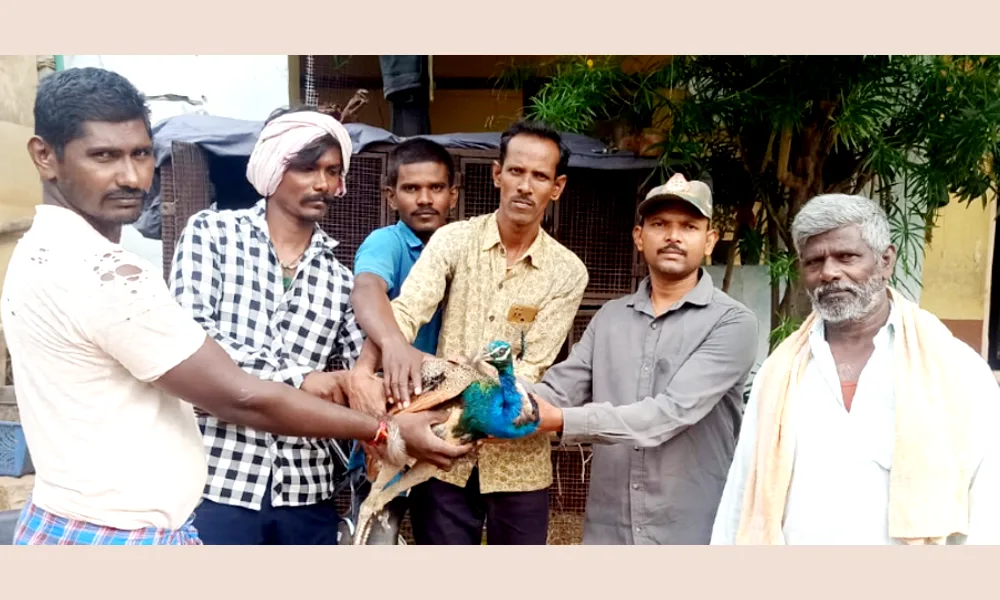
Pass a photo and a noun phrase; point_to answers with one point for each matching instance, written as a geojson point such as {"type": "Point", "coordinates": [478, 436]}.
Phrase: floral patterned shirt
{"type": "Point", "coordinates": [531, 304]}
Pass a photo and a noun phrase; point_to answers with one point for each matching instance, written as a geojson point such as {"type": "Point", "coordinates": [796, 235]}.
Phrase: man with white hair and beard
{"type": "Point", "coordinates": [871, 424]}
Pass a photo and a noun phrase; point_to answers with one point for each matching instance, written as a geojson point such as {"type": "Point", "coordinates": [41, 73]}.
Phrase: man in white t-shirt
{"type": "Point", "coordinates": [102, 354]}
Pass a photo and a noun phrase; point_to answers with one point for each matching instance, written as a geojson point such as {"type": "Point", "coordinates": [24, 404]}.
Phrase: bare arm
{"type": "Point", "coordinates": [375, 316]}
{"type": "Point", "coordinates": [419, 298]}
{"type": "Point", "coordinates": [373, 310]}
{"type": "Point", "coordinates": [211, 381]}
{"type": "Point", "coordinates": [139, 325]}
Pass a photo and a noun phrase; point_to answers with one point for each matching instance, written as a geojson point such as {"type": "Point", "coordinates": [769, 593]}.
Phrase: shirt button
{"type": "Point", "coordinates": [638, 529]}
{"type": "Point", "coordinates": [636, 448]}
{"type": "Point", "coordinates": [501, 285]}
{"type": "Point", "coordinates": [635, 486]}
{"type": "Point", "coordinates": [653, 326]}
{"type": "Point", "coordinates": [491, 318]}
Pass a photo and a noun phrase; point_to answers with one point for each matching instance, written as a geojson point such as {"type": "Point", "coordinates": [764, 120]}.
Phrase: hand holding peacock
{"type": "Point", "coordinates": [482, 399]}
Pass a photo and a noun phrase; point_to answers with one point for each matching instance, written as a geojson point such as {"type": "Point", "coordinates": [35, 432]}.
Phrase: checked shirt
{"type": "Point", "coordinates": [226, 272]}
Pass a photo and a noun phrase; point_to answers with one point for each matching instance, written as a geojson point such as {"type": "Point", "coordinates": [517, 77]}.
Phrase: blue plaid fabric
{"type": "Point", "coordinates": [40, 527]}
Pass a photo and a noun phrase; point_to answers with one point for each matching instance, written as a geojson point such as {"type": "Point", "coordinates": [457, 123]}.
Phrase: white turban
{"type": "Point", "coordinates": [283, 138]}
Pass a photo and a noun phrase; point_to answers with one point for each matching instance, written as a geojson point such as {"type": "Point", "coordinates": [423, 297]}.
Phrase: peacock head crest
{"type": "Point", "coordinates": [498, 354]}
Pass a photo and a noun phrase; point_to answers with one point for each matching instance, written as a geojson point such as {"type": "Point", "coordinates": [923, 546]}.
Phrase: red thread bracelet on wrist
{"type": "Point", "coordinates": [382, 433]}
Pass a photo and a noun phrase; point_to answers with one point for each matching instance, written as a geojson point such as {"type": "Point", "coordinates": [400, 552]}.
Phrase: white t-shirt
{"type": "Point", "coordinates": [89, 327]}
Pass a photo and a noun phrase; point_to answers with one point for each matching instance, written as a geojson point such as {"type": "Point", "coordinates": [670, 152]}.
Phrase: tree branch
{"type": "Point", "coordinates": [863, 180]}
{"type": "Point", "coordinates": [786, 177]}
{"type": "Point", "coordinates": [767, 153]}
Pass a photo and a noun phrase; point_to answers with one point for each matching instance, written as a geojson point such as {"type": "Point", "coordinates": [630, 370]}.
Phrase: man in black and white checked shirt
{"type": "Point", "coordinates": [265, 284]}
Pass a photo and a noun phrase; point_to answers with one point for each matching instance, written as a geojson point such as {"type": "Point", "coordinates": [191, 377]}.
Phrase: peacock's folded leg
{"type": "Point", "coordinates": [417, 474]}
{"type": "Point", "coordinates": [529, 411]}
{"type": "Point", "coordinates": [368, 508]}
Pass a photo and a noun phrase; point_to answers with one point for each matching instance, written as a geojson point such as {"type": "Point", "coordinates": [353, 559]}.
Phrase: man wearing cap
{"type": "Point", "coordinates": [265, 284]}
{"type": "Point", "coordinates": [656, 384]}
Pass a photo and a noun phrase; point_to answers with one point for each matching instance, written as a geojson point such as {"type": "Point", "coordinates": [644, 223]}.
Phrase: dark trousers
{"type": "Point", "coordinates": [445, 514]}
{"type": "Point", "coordinates": [225, 525]}
{"type": "Point", "coordinates": [411, 113]}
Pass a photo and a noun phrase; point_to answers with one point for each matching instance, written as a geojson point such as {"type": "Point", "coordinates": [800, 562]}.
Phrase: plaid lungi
{"type": "Point", "coordinates": [39, 527]}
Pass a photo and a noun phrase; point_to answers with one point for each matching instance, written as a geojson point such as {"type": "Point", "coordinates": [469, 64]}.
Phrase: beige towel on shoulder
{"type": "Point", "coordinates": [931, 468]}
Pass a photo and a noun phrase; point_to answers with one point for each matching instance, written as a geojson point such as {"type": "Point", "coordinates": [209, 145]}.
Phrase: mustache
{"type": "Point", "coordinates": [126, 194]}
{"type": "Point", "coordinates": [425, 211]}
{"type": "Point", "coordinates": [672, 248]}
{"type": "Point", "coordinates": [325, 198]}
{"type": "Point", "coordinates": [861, 300]}
{"type": "Point", "coordinates": [841, 286]}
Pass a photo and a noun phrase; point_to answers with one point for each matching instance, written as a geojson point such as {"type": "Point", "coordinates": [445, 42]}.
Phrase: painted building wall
{"type": "Point", "coordinates": [20, 188]}
{"type": "Point", "coordinates": [956, 269]}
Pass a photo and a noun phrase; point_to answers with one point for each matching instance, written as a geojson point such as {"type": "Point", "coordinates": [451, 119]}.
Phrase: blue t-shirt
{"type": "Point", "coordinates": [390, 253]}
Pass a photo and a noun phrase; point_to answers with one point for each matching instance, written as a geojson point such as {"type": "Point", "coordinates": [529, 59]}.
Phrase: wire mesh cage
{"type": "Point", "coordinates": [351, 218]}
{"type": "Point", "coordinates": [185, 188]}
{"type": "Point", "coordinates": [594, 219]}
{"type": "Point", "coordinates": [568, 494]}
{"type": "Point", "coordinates": [478, 196]}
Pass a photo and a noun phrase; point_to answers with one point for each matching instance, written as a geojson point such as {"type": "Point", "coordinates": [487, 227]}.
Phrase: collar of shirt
{"type": "Point", "coordinates": [66, 221]}
{"type": "Point", "coordinates": [408, 235]}
{"type": "Point", "coordinates": [700, 295]}
{"type": "Point", "coordinates": [820, 352]}
{"type": "Point", "coordinates": [321, 242]}
{"type": "Point", "coordinates": [536, 251]}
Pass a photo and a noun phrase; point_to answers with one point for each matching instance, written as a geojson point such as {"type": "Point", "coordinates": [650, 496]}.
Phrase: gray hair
{"type": "Point", "coordinates": [827, 212]}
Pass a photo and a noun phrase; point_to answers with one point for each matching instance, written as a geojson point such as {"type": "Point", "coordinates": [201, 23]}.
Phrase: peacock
{"type": "Point", "coordinates": [483, 399]}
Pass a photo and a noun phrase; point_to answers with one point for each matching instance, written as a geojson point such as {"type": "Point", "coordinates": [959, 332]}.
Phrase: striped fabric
{"type": "Point", "coordinates": [39, 527]}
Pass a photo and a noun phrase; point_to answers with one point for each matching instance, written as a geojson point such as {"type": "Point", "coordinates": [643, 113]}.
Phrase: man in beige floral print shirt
{"type": "Point", "coordinates": [499, 276]}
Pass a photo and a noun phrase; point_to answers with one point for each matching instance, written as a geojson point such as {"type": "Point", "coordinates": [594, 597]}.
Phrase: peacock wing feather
{"type": "Point", "coordinates": [442, 380]}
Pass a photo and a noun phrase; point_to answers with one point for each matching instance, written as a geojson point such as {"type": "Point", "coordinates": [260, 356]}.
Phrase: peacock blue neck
{"type": "Point", "coordinates": [511, 404]}
{"type": "Point", "coordinates": [491, 410]}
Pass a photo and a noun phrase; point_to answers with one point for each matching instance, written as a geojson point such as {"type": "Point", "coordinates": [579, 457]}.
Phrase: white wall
{"type": "Point", "coordinates": [751, 285]}
{"type": "Point", "coordinates": [236, 86]}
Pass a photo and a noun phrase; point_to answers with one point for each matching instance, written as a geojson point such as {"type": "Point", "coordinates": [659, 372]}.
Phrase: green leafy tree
{"type": "Point", "coordinates": [772, 132]}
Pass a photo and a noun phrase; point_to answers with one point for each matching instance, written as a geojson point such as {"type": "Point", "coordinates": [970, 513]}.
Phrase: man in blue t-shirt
{"type": "Point", "coordinates": [420, 186]}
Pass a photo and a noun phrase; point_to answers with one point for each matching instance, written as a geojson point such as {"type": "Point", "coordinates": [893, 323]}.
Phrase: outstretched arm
{"type": "Point", "coordinates": [722, 361]}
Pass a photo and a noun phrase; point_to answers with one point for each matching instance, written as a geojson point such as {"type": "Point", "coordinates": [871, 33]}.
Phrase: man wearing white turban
{"type": "Point", "coordinates": [265, 283]}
